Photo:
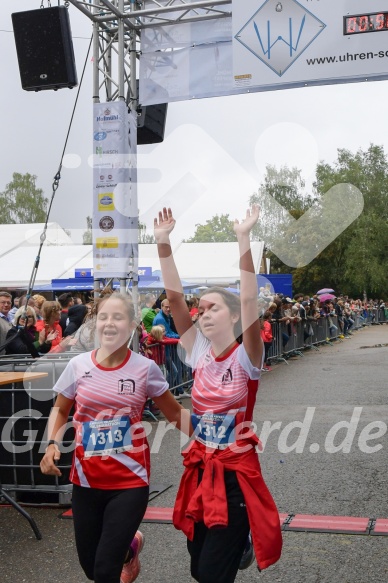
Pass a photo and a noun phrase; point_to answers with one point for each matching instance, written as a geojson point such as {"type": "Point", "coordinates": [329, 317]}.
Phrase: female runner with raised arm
{"type": "Point", "coordinates": [222, 495]}
{"type": "Point", "coordinates": [111, 465]}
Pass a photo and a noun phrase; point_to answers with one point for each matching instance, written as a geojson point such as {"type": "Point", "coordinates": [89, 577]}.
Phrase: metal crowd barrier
{"type": "Point", "coordinates": [293, 339]}
{"type": "Point", "coordinates": [375, 316]}
{"type": "Point", "coordinates": [24, 411]}
{"type": "Point", "coordinates": [177, 373]}
{"type": "Point", "coordinates": [288, 340]}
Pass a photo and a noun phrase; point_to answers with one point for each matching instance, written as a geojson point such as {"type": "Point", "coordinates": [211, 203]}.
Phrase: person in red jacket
{"type": "Point", "coordinates": [267, 336]}
{"type": "Point", "coordinates": [49, 329]}
{"type": "Point", "coordinates": [222, 495]}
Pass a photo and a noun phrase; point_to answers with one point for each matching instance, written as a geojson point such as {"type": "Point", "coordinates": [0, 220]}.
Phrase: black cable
{"type": "Point", "coordinates": [55, 185]}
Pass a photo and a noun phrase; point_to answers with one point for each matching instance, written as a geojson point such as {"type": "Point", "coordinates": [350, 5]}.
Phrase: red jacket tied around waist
{"type": "Point", "coordinates": [207, 501]}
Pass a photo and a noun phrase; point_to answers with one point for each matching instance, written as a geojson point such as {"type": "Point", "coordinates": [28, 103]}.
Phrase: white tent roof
{"type": "Point", "coordinates": [16, 266]}
{"type": "Point", "coordinates": [16, 235]}
{"type": "Point", "coordinates": [202, 263]}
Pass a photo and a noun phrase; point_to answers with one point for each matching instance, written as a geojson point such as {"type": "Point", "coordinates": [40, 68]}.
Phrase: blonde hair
{"type": "Point", "coordinates": [21, 311]}
{"type": "Point", "coordinates": [39, 300]}
{"type": "Point", "coordinates": [157, 332]}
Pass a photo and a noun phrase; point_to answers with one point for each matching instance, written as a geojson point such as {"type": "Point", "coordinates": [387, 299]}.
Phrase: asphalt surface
{"type": "Point", "coordinates": [336, 476]}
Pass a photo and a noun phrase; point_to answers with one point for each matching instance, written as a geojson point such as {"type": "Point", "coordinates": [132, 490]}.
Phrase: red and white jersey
{"type": "Point", "coordinates": [222, 384]}
{"type": "Point", "coordinates": [110, 402]}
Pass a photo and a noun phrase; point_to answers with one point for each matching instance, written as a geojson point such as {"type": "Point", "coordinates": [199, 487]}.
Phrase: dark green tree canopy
{"type": "Point", "coordinates": [22, 202]}
{"type": "Point", "coordinates": [357, 260]}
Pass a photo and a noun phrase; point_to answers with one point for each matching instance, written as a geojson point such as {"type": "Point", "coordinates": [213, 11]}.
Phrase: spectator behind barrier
{"type": "Point", "coordinates": [267, 336]}
{"type": "Point", "coordinates": [76, 315]}
{"type": "Point", "coordinates": [24, 338]}
{"type": "Point", "coordinates": [39, 301]}
{"type": "Point", "coordinates": [5, 324]}
{"type": "Point", "coordinates": [149, 312]}
{"type": "Point", "coordinates": [86, 337]}
{"type": "Point", "coordinates": [66, 301]}
{"type": "Point", "coordinates": [51, 312]}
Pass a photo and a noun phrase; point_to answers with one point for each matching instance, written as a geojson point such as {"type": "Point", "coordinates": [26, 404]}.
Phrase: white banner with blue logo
{"type": "Point", "coordinates": [265, 45]}
{"type": "Point", "coordinates": [115, 209]}
{"type": "Point", "coordinates": [302, 42]}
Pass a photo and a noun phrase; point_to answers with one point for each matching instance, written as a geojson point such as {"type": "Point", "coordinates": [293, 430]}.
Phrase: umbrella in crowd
{"type": "Point", "coordinates": [325, 290]}
{"type": "Point", "coordinates": [324, 297]}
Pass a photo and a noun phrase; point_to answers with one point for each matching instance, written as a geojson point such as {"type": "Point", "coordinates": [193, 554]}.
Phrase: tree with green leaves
{"type": "Point", "coordinates": [88, 235]}
{"type": "Point", "coordinates": [145, 237]}
{"type": "Point", "coordinates": [218, 229]}
{"type": "Point", "coordinates": [357, 260]}
{"type": "Point", "coordinates": [22, 202]}
{"type": "Point", "coordinates": [282, 198]}
{"type": "Point", "coordinates": [281, 192]}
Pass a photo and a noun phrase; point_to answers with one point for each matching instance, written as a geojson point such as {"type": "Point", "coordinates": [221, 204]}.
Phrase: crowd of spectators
{"type": "Point", "coordinates": [36, 326]}
{"type": "Point", "coordinates": [46, 326]}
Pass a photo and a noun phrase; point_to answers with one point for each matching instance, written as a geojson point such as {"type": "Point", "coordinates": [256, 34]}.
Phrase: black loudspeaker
{"type": "Point", "coordinates": [44, 48]}
{"type": "Point", "coordinates": [151, 122]}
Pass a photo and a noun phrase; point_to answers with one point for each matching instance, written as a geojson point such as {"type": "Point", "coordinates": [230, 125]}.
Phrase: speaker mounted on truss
{"type": "Point", "coordinates": [151, 122]}
{"type": "Point", "coordinates": [44, 48]}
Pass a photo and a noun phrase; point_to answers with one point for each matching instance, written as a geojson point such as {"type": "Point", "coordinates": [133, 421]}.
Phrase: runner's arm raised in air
{"type": "Point", "coordinates": [252, 340]}
{"type": "Point", "coordinates": [163, 226]}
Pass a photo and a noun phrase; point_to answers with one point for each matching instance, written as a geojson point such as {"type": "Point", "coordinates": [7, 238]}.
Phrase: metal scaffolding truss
{"type": "Point", "coordinates": [141, 14]}
{"type": "Point", "coordinates": [117, 25]}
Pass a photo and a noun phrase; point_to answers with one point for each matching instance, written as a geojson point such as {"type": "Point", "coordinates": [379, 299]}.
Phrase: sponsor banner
{"type": "Point", "coordinates": [266, 45]}
{"type": "Point", "coordinates": [278, 41]}
{"type": "Point", "coordinates": [115, 210]}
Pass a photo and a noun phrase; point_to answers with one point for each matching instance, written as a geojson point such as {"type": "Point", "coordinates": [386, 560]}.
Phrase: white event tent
{"type": "Point", "coordinates": [200, 263]}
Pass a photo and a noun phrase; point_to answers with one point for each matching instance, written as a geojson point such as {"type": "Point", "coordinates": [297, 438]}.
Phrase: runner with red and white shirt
{"type": "Point", "coordinates": [222, 495]}
{"type": "Point", "coordinates": [111, 464]}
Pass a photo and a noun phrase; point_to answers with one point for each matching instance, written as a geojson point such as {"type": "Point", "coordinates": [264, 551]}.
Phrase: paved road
{"type": "Point", "coordinates": [330, 387]}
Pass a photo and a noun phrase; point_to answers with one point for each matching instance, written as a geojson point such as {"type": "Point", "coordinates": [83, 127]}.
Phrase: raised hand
{"type": "Point", "coordinates": [52, 335]}
{"type": "Point", "coordinates": [164, 225]}
{"type": "Point", "coordinates": [247, 224]}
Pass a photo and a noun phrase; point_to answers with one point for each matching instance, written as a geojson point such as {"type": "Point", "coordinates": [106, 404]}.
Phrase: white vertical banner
{"type": "Point", "coordinates": [115, 209]}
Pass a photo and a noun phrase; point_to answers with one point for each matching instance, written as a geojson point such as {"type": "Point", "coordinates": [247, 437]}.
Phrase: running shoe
{"type": "Point", "coordinates": [131, 569]}
{"type": "Point", "coordinates": [248, 555]}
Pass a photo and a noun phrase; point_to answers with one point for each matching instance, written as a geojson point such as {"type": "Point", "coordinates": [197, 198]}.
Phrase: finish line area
{"type": "Point", "coordinates": [293, 522]}
{"type": "Point", "coordinates": [318, 494]}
